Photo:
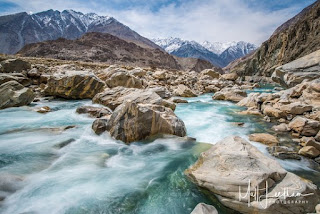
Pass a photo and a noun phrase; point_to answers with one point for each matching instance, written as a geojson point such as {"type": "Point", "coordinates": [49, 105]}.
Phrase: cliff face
{"type": "Point", "coordinates": [297, 37]}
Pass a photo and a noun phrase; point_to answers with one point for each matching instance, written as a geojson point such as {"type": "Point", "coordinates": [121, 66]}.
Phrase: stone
{"type": "Point", "coordinates": [230, 94]}
{"type": "Point", "coordinates": [304, 126]}
{"type": "Point", "coordinates": [96, 112]}
{"type": "Point", "coordinates": [210, 72]}
{"type": "Point", "coordinates": [264, 138]}
{"type": "Point", "coordinates": [251, 111]}
{"type": "Point", "coordinates": [64, 143]}
{"type": "Point", "coordinates": [123, 78]}
{"type": "Point", "coordinates": [309, 151]}
{"type": "Point", "coordinates": [211, 89]}
{"type": "Point", "coordinates": [250, 101]}
{"type": "Point", "coordinates": [296, 108]}
{"type": "Point", "coordinates": [232, 165]}
{"type": "Point", "coordinates": [43, 109]}
{"type": "Point", "coordinates": [203, 208]}
{"type": "Point", "coordinates": [14, 66]}
{"type": "Point", "coordinates": [318, 209]}
{"type": "Point", "coordinates": [13, 94]}
{"type": "Point", "coordinates": [160, 75]}
{"type": "Point", "coordinates": [138, 72]}
{"type": "Point", "coordinates": [99, 126]}
{"type": "Point", "coordinates": [114, 97]}
{"type": "Point", "coordinates": [309, 141]}
{"type": "Point", "coordinates": [281, 128]}
{"type": "Point", "coordinates": [184, 91]}
{"type": "Point", "coordinates": [178, 100]}
{"type": "Point", "coordinates": [273, 112]}
{"type": "Point", "coordinates": [162, 92]}
{"type": "Point", "coordinates": [136, 121]}
{"type": "Point", "coordinates": [230, 76]}
{"type": "Point", "coordinates": [74, 86]}
{"type": "Point", "coordinates": [301, 69]}
{"type": "Point", "coordinates": [18, 77]}
{"type": "Point", "coordinates": [283, 152]}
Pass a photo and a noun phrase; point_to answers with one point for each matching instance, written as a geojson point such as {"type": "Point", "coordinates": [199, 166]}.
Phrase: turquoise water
{"type": "Point", "coordinates": [96, 174]}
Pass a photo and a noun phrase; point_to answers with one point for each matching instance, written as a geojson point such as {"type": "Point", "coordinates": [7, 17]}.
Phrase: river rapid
{"type": "Point", "coordinates": [75, 171]}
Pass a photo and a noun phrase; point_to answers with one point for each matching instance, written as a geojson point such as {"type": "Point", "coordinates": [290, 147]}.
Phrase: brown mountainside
{"type": "Point", "coordinates": [102, 47]}
{"type": "Point", "coordinates": [297, 37]}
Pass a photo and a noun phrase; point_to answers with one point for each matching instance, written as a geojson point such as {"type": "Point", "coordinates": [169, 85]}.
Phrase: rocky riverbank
{"type": "Point", "coordinates": [139, 104]}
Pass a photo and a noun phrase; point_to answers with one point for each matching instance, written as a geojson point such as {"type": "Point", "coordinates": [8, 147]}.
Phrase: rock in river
{"type": "Point", "coordinates": [233, 170]}
{"type": "Point", "coordinates": [203, 208]}
{"type": "Point", "coordinates": [74, 86]}
{"type": "Point", "coordinates": [135, 121]}
{"type": "Point", "coordinates": [13, 94]}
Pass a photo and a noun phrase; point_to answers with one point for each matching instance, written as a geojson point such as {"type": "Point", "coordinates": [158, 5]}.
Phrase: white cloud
{"type": "Point", "coordinates": [212, 20]}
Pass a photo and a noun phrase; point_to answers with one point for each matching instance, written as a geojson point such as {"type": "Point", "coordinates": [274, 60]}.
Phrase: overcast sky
{"type": "Point", "coordinates": [199, 20]}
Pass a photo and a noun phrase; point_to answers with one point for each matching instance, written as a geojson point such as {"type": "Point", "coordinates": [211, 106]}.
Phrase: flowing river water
{"type": "Point", "coordinates": [96, 174]}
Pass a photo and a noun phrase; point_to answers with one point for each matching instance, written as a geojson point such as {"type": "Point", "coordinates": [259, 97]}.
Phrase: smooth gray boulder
{"type": "Point", "coordinates": [233, 169]}
{"type": "Point", "coordinates": [203, 208]}
{"type": "Point", "coordinates": [293, 73]}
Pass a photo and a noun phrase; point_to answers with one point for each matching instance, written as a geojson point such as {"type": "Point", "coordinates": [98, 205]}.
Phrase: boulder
{"type": "Point", "coordinates": [310, 141]}
{"type": "Point", "coordinates": [14, 66]}
{"type": "Point", "coordinates": [160, 75]}
{"type": "Point", "coordinates": [296, 108]}
{"type": "Point", "coordinates": [99, 126]}
{"type": "Point", "coordinates": [211, 73]}
{"type": "Point", "coordinates": [239, 175]}
{"type": "Point", "coordinates": [203, 208]}
{"type": "Point", "coordinates": [43, 109]}
{"type": "Point", "coordinates": [230, 77]}
{"type": "Point", "coordinates": [93, 111]}
{"type": "Point", "coordinates": [309, 151]}
{"type": "Point", "coordinates": [281, 128]}
{"type": "Point", "coordinates": [311, 93]}
{"type": "Point", "coordinates": [304, 126]}
{"type": "Point", "coordinates": [264, 138]}
{"type": "Point", "coordinates": [18, 77]}
{"type": "Point", "coordinates": [123, 78]}
{"type": "Point", "coordinates": [270, 111]}
{"type": "Point", "coordinates": [114, 97]}
{"type": "Point", "coordinates": [283, 152]}
{"type": "Point", "coordinates": [294, 72]}
{"type": "Point", "coordinates": [136, 121]}
{"type": "Point", "coordinates": [184, 91]}
{"type": "Point", "coordinates": [230, 94]}
{"type": "Point", "coordinates": [138, 72]}
{"type": "Point", "coordinates": [13, 94]}
{"type": "Point", "coordinates": [178, 100]}
{"type": "Point", "coordinates": [74, 86]}
{"type": "Point", "coordinates": [250, 101]}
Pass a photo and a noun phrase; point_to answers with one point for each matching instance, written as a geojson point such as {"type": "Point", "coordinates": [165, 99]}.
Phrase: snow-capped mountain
{"type": "Point", "coordinates": [19, 29]}
{"type": "Point", "coordinates": [217, 47]}
{"type": "Point", "coordinates": [219, 54]}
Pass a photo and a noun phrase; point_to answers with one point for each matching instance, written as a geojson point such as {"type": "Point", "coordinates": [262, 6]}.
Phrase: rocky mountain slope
{"type": "Point", "coordinates": [219, 54]}
{"type": "Point", "coordinates": [296, 38]}
{"type": "Point", "coordinates": [102, 47]}
{"type": "Point", "coordinates": [19, 29]}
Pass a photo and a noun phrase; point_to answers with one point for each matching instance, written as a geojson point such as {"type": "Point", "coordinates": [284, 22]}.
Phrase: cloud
{"type": "Point", "coordinates": [212, 20]}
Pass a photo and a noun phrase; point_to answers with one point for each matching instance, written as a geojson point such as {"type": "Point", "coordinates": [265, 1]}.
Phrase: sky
{"type": "Point", "coordinates": [212, 20]}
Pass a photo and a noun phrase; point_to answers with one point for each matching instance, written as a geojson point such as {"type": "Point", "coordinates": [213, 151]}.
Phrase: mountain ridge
{"type": "Point", "coordinates": [219, 54]}
{"type": "Point", "coordinates": [17, 30]}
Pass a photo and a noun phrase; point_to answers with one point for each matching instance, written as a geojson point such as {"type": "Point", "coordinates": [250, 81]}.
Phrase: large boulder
{"type": "Point", "coordinates": [293, 73]}
{"type": "Point", "coordinates": [229, 76]}
{"type": "Point", "coordinates": [264, 138]}
{"type": "Point", "coordinates": [135, 121]}
{"type": "Point", "coordinates": [14, 66]}
{"type": "Point", "coordinates": [244, 179]}
{"type": "Point", "coordinates": [211, 73]}
{"type": "Point", "coordinates": [13, 94]}
{"type": "Point", "coordinates": [114, 97]}
{"type": "Point", "coordinates": [74, 85]}
{"type": "Point", "coordinates": [123, 78]}
{"type": "Point", "coordinates": [250, 101]}
{"type": "Point", "coordinates": [309, 151]}
{"type": "Point", "coordinates": [230, 94]}
{"type": "Point", "coordinates": [304, 126]}
{"type": "Point", "coordinates": [184, 91]}
{"type": "Point", "coordinates": [18, 77]}
{"type": "Point", "coordinates": [99, 126]}
{"type": "Point", "coordinates": [203, 208]}
{"type": "Point", "coordinates": [296, 108]}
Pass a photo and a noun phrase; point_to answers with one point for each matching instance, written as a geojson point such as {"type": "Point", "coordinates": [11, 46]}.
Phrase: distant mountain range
{"type": "Point", "coordinates": [19, 29]}
{"type": "Point", "coordinates": [219, 54]}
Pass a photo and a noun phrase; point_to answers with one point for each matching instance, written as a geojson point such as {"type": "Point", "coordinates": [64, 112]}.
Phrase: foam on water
{"type": "Point", "coordinates": [97, 174]}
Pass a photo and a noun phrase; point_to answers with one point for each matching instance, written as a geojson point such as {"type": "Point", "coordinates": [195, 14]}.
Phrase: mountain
{"type": "Point", "coordinates": [19, 29]}
{"type": "Point", "coordinates": [106, 48]}
{"type": "Point", "coordinates": [219, 54]}
{"type": "Point", "coordinates": [295, 38]}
